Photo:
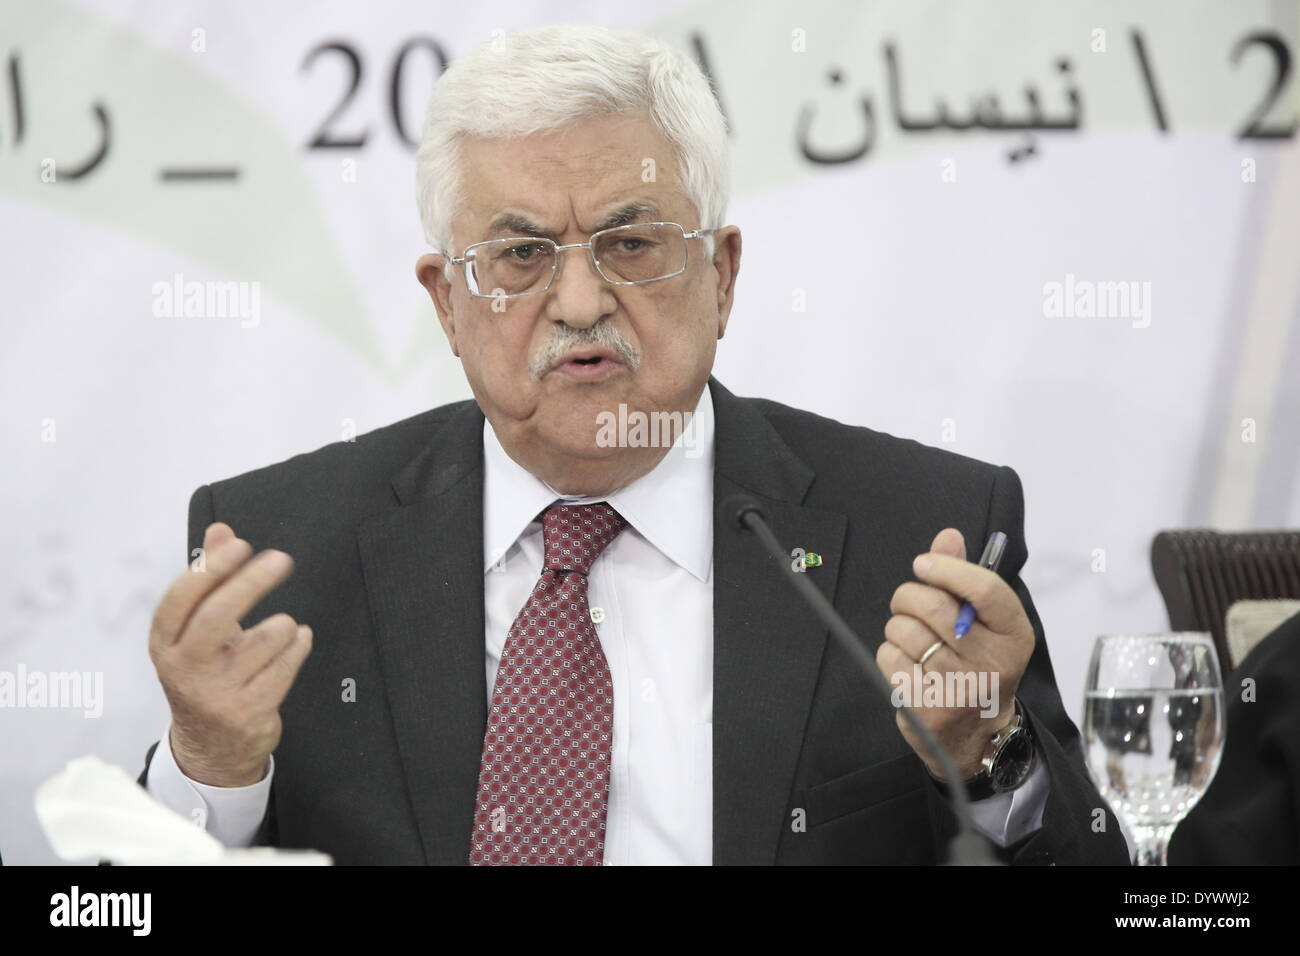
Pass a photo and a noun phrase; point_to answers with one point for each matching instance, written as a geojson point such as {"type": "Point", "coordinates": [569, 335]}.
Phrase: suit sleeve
{"type": "Point", "coordinates": [201, 514]}
{"type": "Point", "coordinates": [1078, 826]}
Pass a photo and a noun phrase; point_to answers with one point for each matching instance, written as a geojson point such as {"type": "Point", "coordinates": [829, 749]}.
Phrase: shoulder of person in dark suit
{"type": "Point", "coordinates": [1250, 814]}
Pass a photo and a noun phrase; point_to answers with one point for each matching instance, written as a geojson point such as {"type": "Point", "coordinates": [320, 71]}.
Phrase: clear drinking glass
{"type": "Point", "coordinates": [1153, 730]}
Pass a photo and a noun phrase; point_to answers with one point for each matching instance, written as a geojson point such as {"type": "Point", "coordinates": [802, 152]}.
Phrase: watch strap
{"type": "Point", "coordinates": [980, 786]}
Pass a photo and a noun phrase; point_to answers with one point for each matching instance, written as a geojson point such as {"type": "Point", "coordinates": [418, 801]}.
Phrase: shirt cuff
{"type": "Point", "coordinates": [1006, 818]}
{"type": "Point", "coordinates": [231, 814]}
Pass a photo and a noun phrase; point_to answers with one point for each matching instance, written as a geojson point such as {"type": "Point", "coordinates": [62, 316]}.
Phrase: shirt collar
{"type": "Point", "coordinates": [671, 506]}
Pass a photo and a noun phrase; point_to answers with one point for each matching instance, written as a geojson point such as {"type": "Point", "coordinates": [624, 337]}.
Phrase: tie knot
{"type": "Point", "coordinates": [575, 535]}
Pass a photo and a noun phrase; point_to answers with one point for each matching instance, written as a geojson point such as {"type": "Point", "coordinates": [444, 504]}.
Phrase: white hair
{"type": "Point", "coordinates": [543, 79]}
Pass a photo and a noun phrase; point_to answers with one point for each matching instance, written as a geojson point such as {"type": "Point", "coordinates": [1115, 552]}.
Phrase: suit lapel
{"type": "Point", "coordinates": [767, 646]}
{"type": "Point", "coordinates": [423, 564]}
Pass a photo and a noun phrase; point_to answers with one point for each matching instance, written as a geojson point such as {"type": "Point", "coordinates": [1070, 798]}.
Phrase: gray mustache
{"type": "Point", "coordinates": [565, 339]}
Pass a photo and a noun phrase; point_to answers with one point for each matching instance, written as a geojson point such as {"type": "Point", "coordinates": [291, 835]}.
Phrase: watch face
{"type": "Point", "coordinates": [1012, 764]}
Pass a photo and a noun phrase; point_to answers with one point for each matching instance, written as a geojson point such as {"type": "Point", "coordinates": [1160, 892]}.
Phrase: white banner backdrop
{"type": "Point", "coordinates": [1062, 237]}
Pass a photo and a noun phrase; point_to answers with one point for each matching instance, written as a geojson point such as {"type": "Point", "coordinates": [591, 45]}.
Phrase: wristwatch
{"type": "Point", "coordinates": [1008, 761]}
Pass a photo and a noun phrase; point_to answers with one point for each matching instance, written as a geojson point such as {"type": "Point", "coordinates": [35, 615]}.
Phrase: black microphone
{"type": "Point", "coordinates": [968, 847]}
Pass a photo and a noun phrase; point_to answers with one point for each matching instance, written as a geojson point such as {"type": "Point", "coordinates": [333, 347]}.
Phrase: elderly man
{"type": "Point", "coordinates": [531, 639]}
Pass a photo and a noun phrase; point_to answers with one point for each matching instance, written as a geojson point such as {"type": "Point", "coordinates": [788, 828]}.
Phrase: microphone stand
{"type": "Point", "coordinates": [968, 847]}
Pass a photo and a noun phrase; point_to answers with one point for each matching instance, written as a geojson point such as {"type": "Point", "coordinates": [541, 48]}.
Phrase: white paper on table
{"type": "Point", "coordinates": [93, 811]}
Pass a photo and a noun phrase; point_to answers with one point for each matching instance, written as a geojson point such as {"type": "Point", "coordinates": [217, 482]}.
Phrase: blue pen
{"type": "Point", "coordinates": [991, 558]}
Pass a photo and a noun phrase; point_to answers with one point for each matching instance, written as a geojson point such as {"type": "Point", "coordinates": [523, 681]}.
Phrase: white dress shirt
{"type": "Point", "coordinates": [651, 596]}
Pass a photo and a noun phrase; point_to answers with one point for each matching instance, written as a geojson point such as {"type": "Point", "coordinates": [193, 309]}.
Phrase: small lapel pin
{"type": "Point", "coordinates": [803, 560]}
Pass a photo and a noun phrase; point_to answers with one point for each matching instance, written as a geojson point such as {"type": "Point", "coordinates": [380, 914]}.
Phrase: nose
{"type": "Point", "coordinates": [578, 296]}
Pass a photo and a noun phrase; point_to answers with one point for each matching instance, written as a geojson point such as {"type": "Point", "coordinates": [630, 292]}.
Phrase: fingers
{"type": "Point", "coordinates": [935, 614]}
{"type": "Point", "coordinates": [891, 660]}
{"type": "Point", "coordinates": [936, 607]}
{"type": "Point", "coordinates": [205, 604]}
{"type": "Point", "coordinates": [950, 542]}
{"type": "Point", "coordinates": [217, 534]}
{"type": "Point", "coordinates": [913, 639]}
{"type": "Point", "coordinates": [222, 609]}
{"type": "Point", "coordinates": [995, 603]}
{"type": "Point", "coordinates": [258, 646]}
{"type": "Point", "coordinates": [192, 586]}
{"type": "Point", "coordinates": [274, 680]}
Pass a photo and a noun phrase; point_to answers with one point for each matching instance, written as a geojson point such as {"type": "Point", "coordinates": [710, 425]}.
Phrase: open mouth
{"type": "Point", "coordinates": [588, 365]}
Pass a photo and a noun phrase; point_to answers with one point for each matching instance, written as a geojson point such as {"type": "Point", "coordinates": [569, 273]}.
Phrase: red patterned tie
{"type": "Point", "coordinates": [544, 779]}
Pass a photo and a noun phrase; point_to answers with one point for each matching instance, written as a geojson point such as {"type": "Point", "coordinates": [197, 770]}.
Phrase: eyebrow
{"type": "Point", "coordinates": [516, 224]}
{"type": "Point", "coordinates": [629, 213]}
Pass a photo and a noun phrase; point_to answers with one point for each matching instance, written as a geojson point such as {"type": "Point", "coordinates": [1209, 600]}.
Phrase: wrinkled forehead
{"type": "Point", "coordinates": [591, 175]}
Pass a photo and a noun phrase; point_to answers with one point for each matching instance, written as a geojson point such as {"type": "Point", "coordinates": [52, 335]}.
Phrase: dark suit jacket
{"type": "Point", "coordinates": [1250, 813]}
{"type": "Point", "coordinates": [387, 535]}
